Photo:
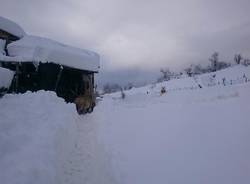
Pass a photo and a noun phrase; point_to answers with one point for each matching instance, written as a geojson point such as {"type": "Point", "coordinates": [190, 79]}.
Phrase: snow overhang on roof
{"type": "Point", "coordinates": [38, 49]}
{"type": "Point", "coordinates": [11, 27]}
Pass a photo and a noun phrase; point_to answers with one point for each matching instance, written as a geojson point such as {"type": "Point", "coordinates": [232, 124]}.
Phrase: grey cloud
{"type": "Point", "coordinates": [140, 34]}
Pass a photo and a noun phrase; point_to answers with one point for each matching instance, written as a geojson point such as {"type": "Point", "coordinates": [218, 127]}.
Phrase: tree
{"type": "Point", "coordinates": [197, 69]}
{"type": "Point", "coordinates": [166, 75]}
{"type": "Point", "coordinates": [222, 65]}
{"type": "Point", "coordinates": [128, 86]}
{"type": "Point", "coordinates": [246, 62]}
{"type": "Point", "coordinates": [214, 59]}
{"type": "Point", "coordinates": [237, 58]}
{"type": "Point", "coordinates": [189, 71]}
{"type": "Point", "coordinates": [122, 94]}
{"type": "Point", "coordinates": [107, 88]}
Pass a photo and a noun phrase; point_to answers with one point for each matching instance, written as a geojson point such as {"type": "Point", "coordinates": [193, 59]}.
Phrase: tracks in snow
{"type": "Point", "coordinates": [88, 163]}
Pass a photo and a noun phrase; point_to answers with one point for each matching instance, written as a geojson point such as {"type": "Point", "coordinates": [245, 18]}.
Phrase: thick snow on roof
{"type": "Point", "coordinates": [11, 27]}
{"type": "Point", "coordinates": [38, 49]}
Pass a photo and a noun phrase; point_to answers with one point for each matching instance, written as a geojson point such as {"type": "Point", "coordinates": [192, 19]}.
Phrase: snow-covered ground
{"type": "Point", "coordinates": [198, 136]}
{"type": "Point", "coordinates": [189, 135]}
{"type": "Point", "coordinates": [36, 133]}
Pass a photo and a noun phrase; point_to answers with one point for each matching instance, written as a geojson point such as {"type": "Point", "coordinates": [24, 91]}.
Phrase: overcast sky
{"type": "Point", "coordinates": [137, 37]}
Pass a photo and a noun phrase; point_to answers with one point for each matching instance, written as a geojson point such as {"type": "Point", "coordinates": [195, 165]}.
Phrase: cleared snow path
{"type": "Point", "coordinates": [88, 162]}
{"type": "Point", "coordinates": [43, 140]}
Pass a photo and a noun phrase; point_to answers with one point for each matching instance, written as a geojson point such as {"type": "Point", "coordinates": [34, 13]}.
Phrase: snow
{"type": "Point", "coordinates": [237, 74]}
{"type": "Point", "coordinates": [189, 135]}
{"type": "Point", "coordinates": [38, 49]}
{"type": "Point", "coordinates": [6, 77]}
{"type": "Point", "coordinates": [2, 47]}
{"type": "Point", "coordinates": [34, 137]}
{"type": "Point", "coordinates": [11, 27]}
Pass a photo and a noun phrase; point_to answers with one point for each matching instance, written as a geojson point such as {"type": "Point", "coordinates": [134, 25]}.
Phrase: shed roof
{"type": "Point", "coordinates": [11, 27]}
{"type": "Point", "coordinates": [38, 49]}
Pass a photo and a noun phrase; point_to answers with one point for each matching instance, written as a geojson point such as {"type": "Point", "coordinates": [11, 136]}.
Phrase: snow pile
{"type": "Point", "coordinates": [11, 27]}
{"type": "Point", "coordinates": [38, 49]}
{"type": "Point", "coordinates": [6, 77]}
{"type": "Point", "coordinates": [36, 135]}
{"type": "Point", "coordinates": [187, 136]}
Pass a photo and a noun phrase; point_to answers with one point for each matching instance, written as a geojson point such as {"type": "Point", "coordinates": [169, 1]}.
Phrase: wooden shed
{"type": "Point", "coordinates": [43, 64]}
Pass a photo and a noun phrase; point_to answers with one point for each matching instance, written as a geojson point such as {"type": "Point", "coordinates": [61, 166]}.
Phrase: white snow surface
{"type": "Point", "coordinates": [188, 135]}
{"type": "Point", "coordinates": [34, 137]}
{"type": "Point", "coordinates": [6, 77]}
{"type": "Point", "coordinates": [38, 49]}
{"type": "Point", "coordinates": [11, 27]}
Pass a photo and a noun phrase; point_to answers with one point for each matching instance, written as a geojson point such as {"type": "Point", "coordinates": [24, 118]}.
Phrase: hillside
{"type": "Point", "coordinates": [188, 135]}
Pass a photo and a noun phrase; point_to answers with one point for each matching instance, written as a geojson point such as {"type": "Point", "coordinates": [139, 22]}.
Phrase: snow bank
{"type": "Point", "coordinates": [233, 75]}
{"type": "Point", "coordinates": [238, 74]}
{"type": "Point", "coordinates": [11, 27]}
{"type": "Point", "coordinates": [37, 49]}
{"type": "Point", "coordinates": [36, 133]}
{"type": "Point", "coordinates": [186, 136]}
{"type": "Point", "coordinates": [6, 77]}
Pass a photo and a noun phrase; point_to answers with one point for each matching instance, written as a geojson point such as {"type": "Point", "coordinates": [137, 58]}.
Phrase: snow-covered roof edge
{"type": "Point", "coordinates": [38, 49]}
{"type": "Point", "coordinates": [11, 27]}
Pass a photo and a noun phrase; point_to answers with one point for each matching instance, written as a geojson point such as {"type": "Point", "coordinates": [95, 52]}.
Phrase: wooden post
{"type": "Point", "coordinates": [17, 77]}
{"type": "Point", "coordinates": [58, 77]}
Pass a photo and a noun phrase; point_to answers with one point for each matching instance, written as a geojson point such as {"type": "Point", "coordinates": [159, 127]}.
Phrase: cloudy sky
{"type": "Point", "coordinates": [137, 37]}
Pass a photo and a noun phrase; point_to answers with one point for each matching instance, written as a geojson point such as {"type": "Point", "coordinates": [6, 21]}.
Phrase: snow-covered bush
{"type": "Point", "coordinates": [246, 62]}
{"type": "Point", "coordinates": [6, 77]}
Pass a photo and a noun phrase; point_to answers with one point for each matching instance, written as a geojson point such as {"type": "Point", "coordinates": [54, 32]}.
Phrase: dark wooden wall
{"type": "Point", "coordinates": [67, 82]}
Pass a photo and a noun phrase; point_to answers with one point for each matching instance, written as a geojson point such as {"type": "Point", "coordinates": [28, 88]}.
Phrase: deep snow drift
{"type": "Point", "coordinates": [36, 133]}
{"type": "Point", "coordinates": [44, 141]}
{"type": "Point", "coordinates": [188, 135]}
